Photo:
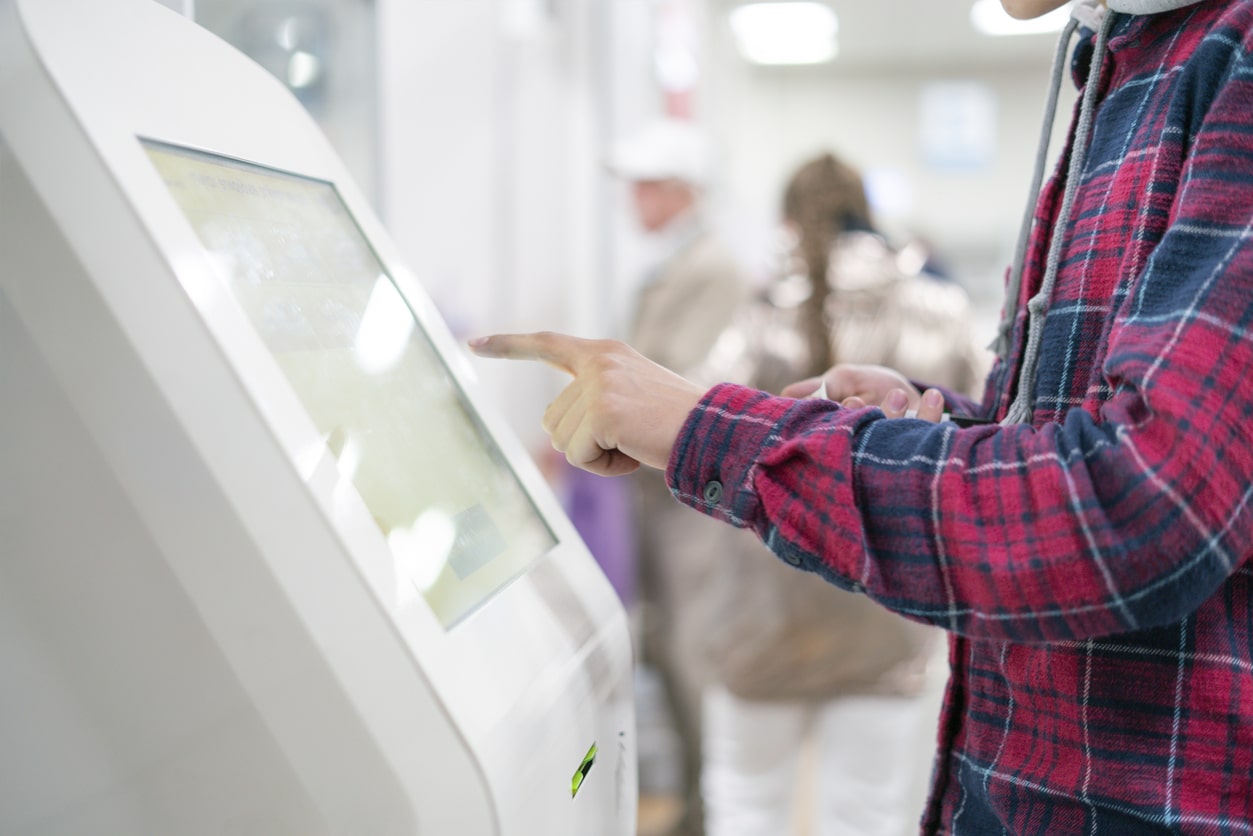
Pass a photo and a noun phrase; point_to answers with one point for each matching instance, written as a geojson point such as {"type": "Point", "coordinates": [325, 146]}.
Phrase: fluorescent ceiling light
{"type": "Point", "coordinates": [989, 18]}
{"type": "Point", "coordinates": [786, 33]}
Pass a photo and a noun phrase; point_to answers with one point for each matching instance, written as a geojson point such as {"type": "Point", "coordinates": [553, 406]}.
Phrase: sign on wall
{"type": "Point", "coordinates": [957, 125]}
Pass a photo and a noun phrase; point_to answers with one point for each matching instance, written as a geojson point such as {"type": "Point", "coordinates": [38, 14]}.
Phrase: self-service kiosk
{"type": "Point", "coordinates": [268, 563]}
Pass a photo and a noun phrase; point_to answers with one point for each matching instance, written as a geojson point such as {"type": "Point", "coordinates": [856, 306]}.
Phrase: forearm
{"type": "Point", "coordinates": [1007, 533]}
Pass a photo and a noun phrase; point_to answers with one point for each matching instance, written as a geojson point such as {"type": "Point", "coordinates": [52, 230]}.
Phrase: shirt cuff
{"type": "Point", "coordinates": [711, 465]}
{"type": "Point", "coordinates": [722, 459]}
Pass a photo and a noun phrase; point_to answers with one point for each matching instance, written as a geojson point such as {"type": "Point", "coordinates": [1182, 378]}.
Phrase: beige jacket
{"type": "Point", "coordinates": [688, 304]}
{"type": "Point", "coordinates": [679, 314]}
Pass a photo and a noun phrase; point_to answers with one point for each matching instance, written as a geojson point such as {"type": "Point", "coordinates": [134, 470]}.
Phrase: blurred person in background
{"type": "Point", "coordinates": [601, 511]}
{"type": "Point", "coordinates": [1091, 551]}
{"type": "Point", "coordinates": [795, 659]}
{"type": "Point", "coordinates": [686, 300]}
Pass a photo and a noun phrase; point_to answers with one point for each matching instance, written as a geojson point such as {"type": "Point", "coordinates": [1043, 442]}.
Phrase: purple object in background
{"type": "Point", "coordinates": [601, 511]}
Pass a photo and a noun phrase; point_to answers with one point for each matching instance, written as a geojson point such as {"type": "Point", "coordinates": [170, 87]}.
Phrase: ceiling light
{"type": "Point", "coordinates": [989, 18]}
{"type": "Point", "coordinates": [786, 33]}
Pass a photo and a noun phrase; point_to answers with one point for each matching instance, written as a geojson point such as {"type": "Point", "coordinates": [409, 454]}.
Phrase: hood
{"type": "Point", "coordinates": [1093, 15]}
{"type": "Point", "coordinates": [1147, 7]}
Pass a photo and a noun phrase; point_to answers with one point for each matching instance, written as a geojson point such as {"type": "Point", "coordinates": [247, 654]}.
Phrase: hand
{"type": "Point", "coordinates": [855, 387]}
{"type": "Point", "coordinates": [621, 409]}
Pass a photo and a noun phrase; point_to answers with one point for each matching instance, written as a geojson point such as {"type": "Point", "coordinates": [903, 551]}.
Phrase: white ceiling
{"type": "Point", "coordinates": [881, 34]}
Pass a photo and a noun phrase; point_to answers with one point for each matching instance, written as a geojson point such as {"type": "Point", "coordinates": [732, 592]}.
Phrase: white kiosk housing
{"type": "Point", "coordinates": [267, 565]}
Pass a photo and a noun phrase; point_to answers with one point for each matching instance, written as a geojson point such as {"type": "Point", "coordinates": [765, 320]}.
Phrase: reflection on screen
{"type": "Point", "coordinates": [459, 523]}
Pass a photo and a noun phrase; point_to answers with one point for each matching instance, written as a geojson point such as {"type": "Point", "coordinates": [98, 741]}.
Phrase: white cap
{"type": "Point", "coordinates": [666, 149]}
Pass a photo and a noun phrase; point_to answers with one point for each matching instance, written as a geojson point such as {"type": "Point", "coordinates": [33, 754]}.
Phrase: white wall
{"type": "Point", "coordinates": [494, 115]}
{"type": "Point", "coordinates": [773, 119]}
{"type": "Point", "coordinates": [485, 113]}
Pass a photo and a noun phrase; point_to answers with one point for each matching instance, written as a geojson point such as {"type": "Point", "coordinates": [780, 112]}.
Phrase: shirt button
{"type": "Point", "coordinates": [713, 491]}
{"type": "Point", "coordinates": [793, 559]}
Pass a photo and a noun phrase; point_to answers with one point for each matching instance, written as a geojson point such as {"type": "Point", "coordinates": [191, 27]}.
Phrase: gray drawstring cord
{"type": "Point", "coordinates": [1148, 7]}
{"type": "Point", "coordinates": [1021, 410]}
{"type": "Point", "coordinates": [1014, 286]}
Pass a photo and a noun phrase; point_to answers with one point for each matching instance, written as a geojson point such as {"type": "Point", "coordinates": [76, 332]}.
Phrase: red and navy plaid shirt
{"type": "Point", "coordinates": [1093, 566]}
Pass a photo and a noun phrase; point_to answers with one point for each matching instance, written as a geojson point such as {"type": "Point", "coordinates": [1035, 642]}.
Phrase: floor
{"type": "Point", "coordinates": [657, 814]}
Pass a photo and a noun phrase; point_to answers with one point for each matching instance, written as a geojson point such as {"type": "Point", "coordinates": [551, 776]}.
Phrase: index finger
{"type": "Point", "coordinates": [559, 350]}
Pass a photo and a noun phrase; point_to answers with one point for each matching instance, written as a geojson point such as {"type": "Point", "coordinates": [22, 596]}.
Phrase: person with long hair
{"type": "Point", "coordinates": [800, 665]}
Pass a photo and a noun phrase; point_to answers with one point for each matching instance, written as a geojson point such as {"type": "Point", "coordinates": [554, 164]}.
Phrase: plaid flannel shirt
{"type": "Point", "coordinates": [1093, 567]}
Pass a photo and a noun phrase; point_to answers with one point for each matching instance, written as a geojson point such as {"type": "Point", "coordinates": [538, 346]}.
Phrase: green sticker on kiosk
{"type": "Point", "coordinates": [577, 781]}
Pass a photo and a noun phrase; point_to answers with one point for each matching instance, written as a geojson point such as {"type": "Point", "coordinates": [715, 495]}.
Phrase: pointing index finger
{"type": "Point", "coordinates": [558, 350]}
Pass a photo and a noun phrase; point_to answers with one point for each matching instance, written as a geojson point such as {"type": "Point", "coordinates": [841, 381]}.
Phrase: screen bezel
{"type": "Point", "coordinates": [315, 466]}
{"type": "Point", "coordinates": [455, 595]}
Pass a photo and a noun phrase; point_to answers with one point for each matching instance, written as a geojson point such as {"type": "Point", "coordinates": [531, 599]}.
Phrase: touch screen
{"type": "Point", "coordinates": [457, 519]}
